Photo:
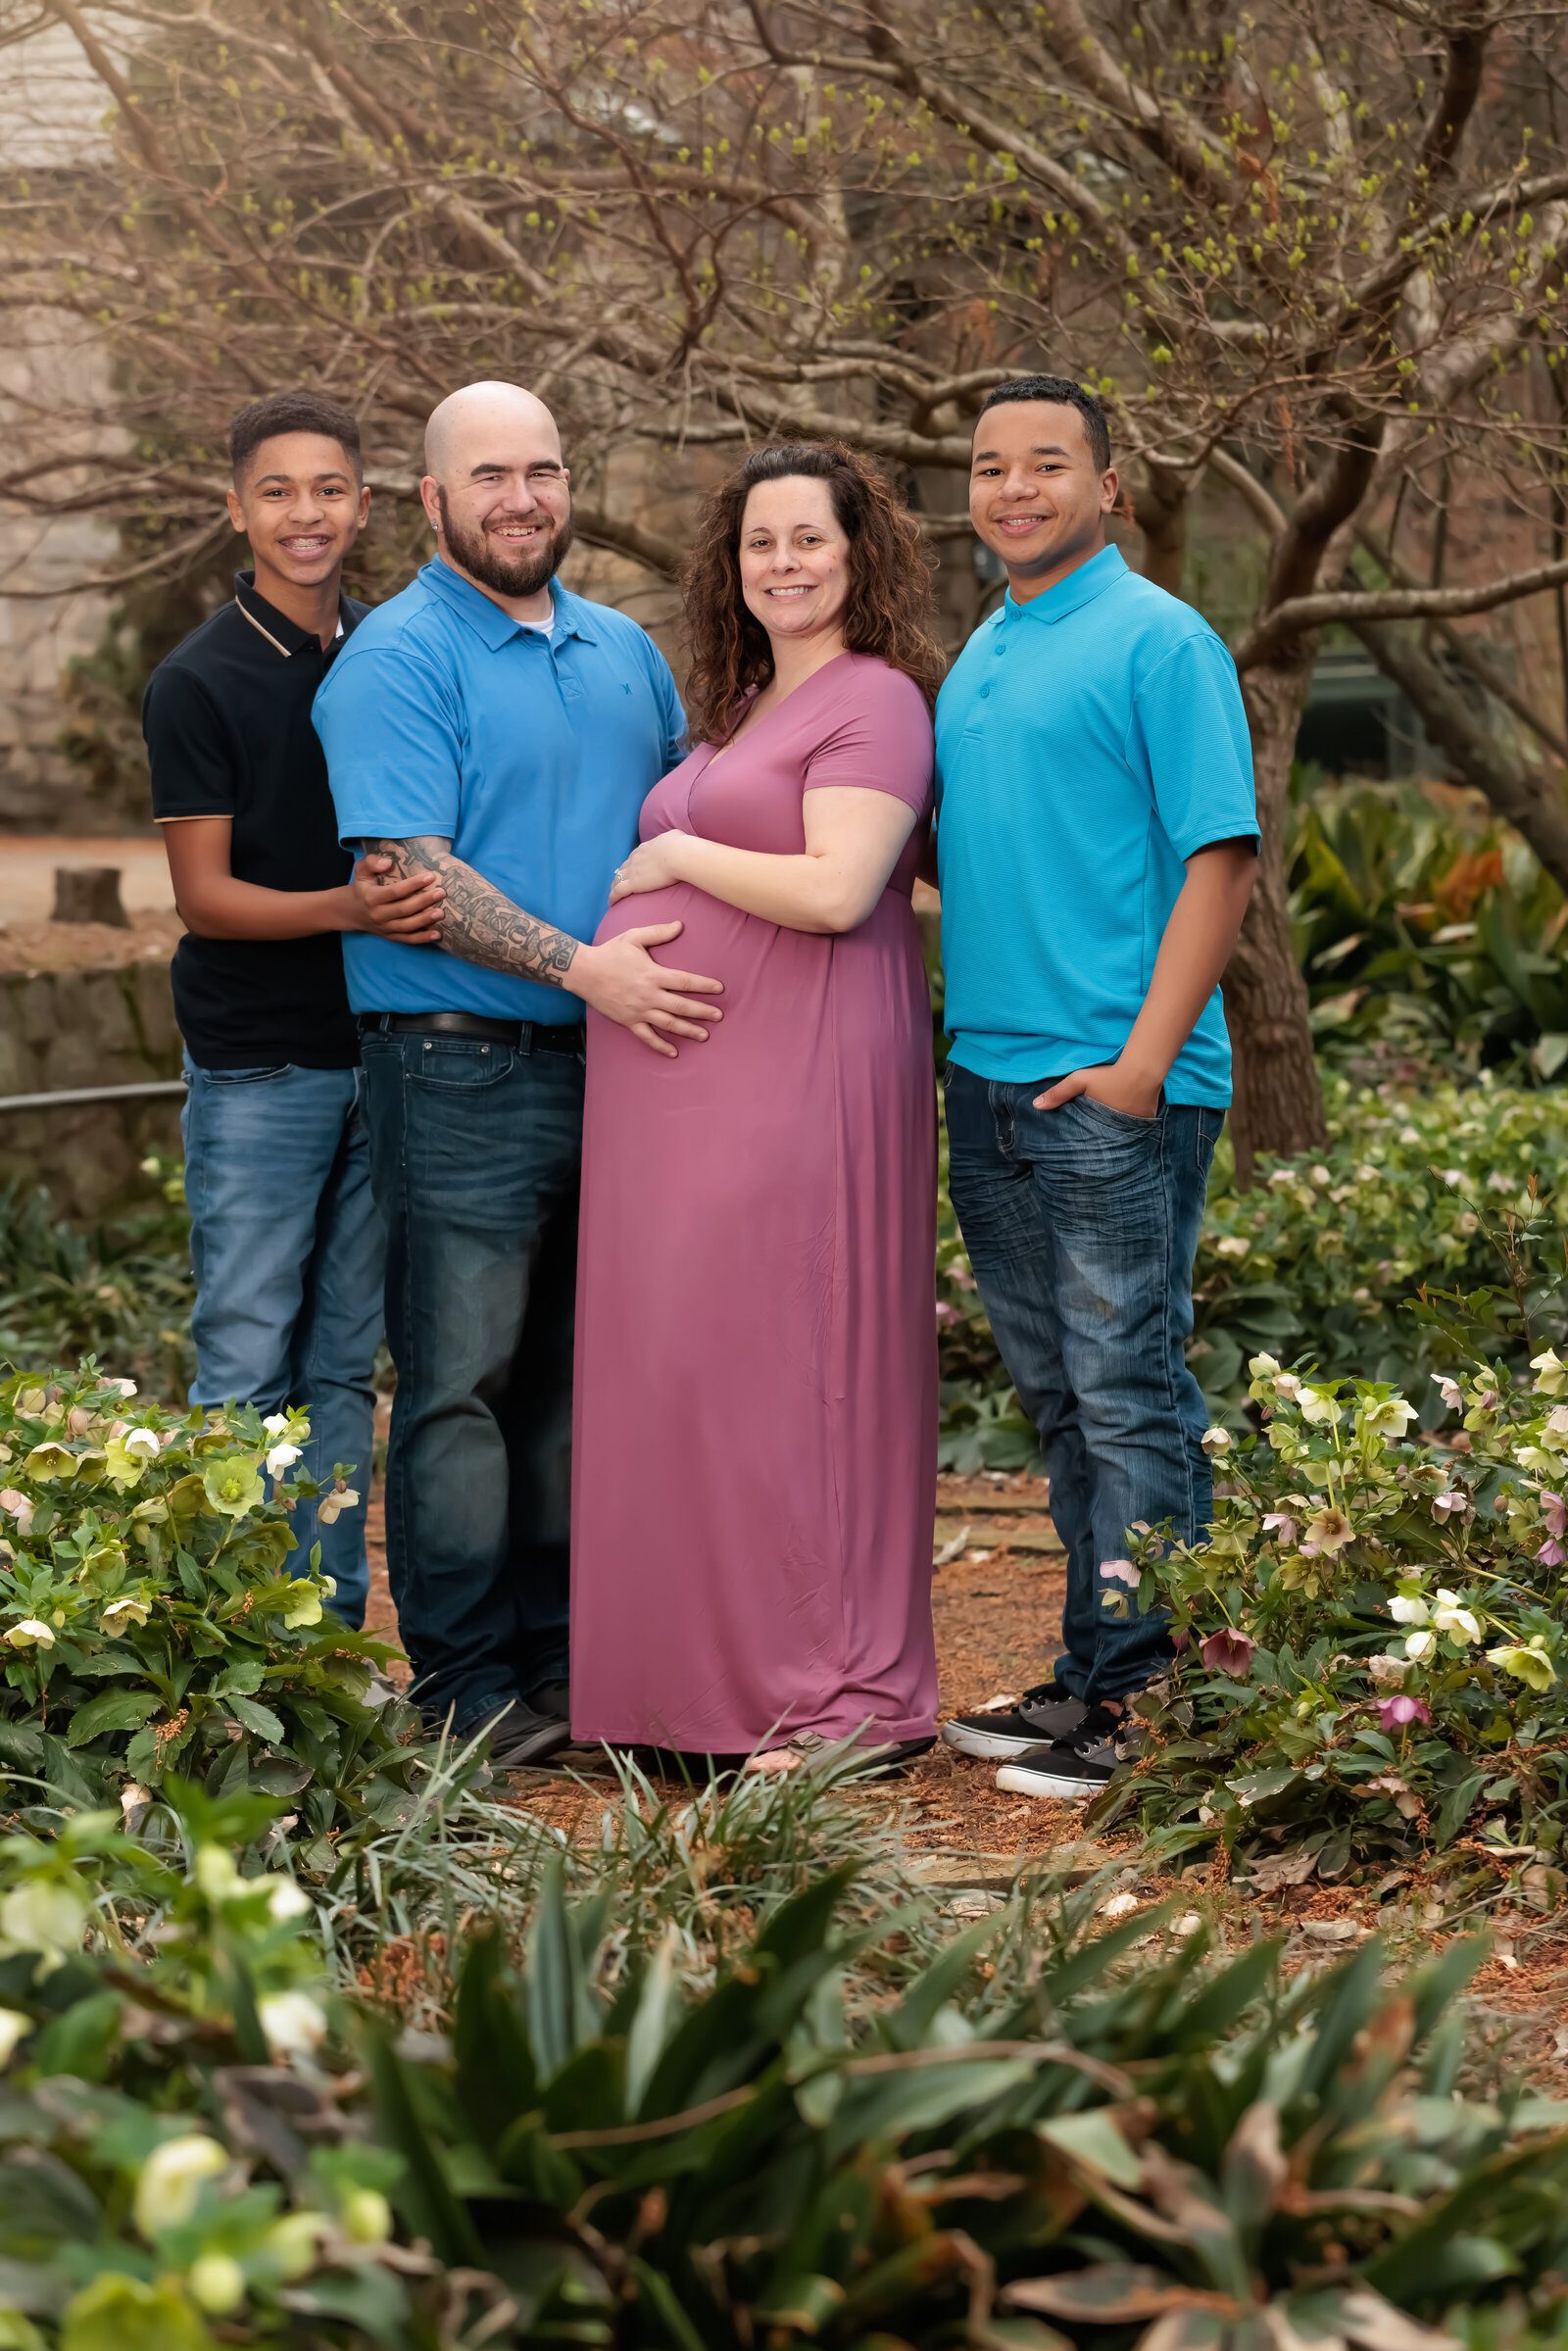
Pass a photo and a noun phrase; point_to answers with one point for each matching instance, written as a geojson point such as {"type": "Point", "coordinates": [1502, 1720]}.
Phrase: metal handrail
{"type": "Point", "coordinates": [70, 1094]}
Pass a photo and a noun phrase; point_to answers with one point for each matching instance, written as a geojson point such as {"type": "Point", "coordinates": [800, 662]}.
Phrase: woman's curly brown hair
{"type": "Point", "coordinates": [889, 612]}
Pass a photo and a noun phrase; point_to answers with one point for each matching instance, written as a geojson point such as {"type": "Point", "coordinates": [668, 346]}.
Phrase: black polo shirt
{"type": "Point", "coordinates": [228, 722]}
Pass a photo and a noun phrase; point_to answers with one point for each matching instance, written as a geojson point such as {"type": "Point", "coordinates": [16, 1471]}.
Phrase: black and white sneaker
{"type": "Point", "coordinates": [521, 1737]}
{"type": "Point", "coordinates": [1075, 1767]}
{"type": "Point", "coordinates": [1043, 1715]}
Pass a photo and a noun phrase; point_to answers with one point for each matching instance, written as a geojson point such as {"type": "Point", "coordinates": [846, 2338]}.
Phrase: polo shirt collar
{"type": "Point", "coordinates": [284, 633]}
{"type": "Point", "coordinates": [485, 616]}
{"type": "Point", "coordinates": [1069, 595]}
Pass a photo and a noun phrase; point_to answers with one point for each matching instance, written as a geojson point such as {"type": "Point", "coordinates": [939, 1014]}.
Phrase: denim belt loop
{"type": "Point", "coordinates": [526, 1038]}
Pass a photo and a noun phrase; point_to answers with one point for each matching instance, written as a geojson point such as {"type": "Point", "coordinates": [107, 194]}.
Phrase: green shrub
{"type": "Point", "coordinates": [120, 1289]}
{"type": "Point", "coordinates": [152, 1618]}
{"type": "Point", "coordinates": [201, 2142]}
{"type": "Point", "coordinates": [1376, 1640]}
{"type": "Point", "coordinates": [1318, 1259]}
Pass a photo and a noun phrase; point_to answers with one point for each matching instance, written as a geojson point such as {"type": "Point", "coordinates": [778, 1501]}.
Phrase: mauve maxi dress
{"type": "Point", "coordinates": [754, 1460]}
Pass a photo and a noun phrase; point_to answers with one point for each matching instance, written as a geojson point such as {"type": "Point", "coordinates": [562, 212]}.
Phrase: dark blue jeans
{"type": "Point", "coordinates": [1081, 1226]}
{"type": "Point", "coordinates": [475, 1155]}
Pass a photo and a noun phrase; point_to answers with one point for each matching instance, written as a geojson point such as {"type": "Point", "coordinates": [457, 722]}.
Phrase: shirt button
{"type": "Point", "coordinates": [984, 691]}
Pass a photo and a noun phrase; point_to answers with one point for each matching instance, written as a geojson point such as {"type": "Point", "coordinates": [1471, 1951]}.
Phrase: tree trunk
{"type": "Point", "coordinates": [1159, 509]}
{"type": "Point", "coordinates": [89, 894]}
{"type": "Point", "coordinates": [1533, 803]}
{"type": "Point", "coordinates": [1277, 1104]}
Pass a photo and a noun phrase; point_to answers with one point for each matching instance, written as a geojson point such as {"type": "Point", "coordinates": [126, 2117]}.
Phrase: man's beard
{"type": "Point", "coordinates": [520, 576]}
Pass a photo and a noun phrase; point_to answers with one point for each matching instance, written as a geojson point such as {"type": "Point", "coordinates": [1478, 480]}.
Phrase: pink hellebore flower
{"type": "Point", "coordinates": [1556, 1513]}
{"type": "Point", "coordinates": [1227, 1651]}
{"type": "Point", "coordinates": [1452, 1503]}
{"type": "Point", "coordinates": [1122, 1571]}
{"type": "Point", "coordinates": [1280, 1523]}
{"type": "Point", "coordinates": [1551, 1553]}
{"type": "Point", "coordinates": [1402, 1708]}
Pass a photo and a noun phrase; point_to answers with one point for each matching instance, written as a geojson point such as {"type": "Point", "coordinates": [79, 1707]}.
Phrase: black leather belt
{"type": "Point", "coordinates": [523, 1036]}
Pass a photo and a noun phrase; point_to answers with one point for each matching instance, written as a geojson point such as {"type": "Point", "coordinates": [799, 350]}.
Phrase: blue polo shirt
{"type": "Point", "coordinates": [532, 755]}
{"type": "Point", "coordinates": [1087, 743]}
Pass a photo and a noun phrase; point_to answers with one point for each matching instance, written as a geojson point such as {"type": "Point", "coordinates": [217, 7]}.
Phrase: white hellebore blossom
{"type": "Point", "coordinates": [1421, 1648]}
{"type": "Point", "coordinates": [341, 1497]}
{"type": "Point", "coordinates": [120, 1615]}
{"type": "Point", "coordinates": [1551, 1374]}
{"type": "Point", "coordinates": [294, 2024]}
{"type": "Point", "coordinates": [1449, 1389]}
{"type": "Point", "coordinates": [275, 1422]}
{"type": "Point", "coordinates": [287, 1899]}
{"type": "Point", "coordinates": [29, 1633]}
{"type": "Point", "coordinates": [1408, 1609]}
{"type": "Point", "coordinates": [171, 2180]}
{"type": "Point", "coordinates": [1318, 1406]}
{"type": "Point", "coordinates": [280, 1459]}
{"type": "Point", "coordinates": [1216, 1440]}
{"type": "Point", "coordinates": [1449, 1617]}
{"type": "Point", "coordinates": [1390, 1418]}
{"type": "Point", "coordinates": [142, 1443]}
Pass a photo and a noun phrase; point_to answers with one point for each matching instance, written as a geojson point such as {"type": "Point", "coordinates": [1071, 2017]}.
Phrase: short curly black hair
{"type": "Point", "coordinates": [292, 412]}
{"type": "Point", "coordinates": [1062, 390]}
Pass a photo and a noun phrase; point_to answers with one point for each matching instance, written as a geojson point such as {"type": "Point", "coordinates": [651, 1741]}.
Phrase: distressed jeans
{"type": "Point", "coordinates": [476, 1157]}
{"type": "Point", "coordinates": [1081, 1226]}
{"type": "Point", "coordinates": [287, 1248]}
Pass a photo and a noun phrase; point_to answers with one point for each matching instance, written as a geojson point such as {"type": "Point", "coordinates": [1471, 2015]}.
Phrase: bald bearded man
{"type": "Point", "coordinates": [499, 734]}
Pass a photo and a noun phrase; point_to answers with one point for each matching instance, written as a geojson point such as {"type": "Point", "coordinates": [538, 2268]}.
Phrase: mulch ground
{"type": "Point", "coordinates": [996, 1597]}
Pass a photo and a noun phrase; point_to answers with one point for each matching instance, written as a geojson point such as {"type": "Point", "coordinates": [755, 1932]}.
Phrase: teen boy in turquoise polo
{"type": "Point", "coordinates": [1095, 844]}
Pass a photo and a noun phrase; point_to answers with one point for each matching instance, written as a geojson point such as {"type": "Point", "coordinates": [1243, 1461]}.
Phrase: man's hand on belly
{"type": "Point", "coordinates": [621, 980]}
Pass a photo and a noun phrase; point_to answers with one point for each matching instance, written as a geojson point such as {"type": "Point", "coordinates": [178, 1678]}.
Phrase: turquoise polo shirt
{"type": "Point", "coordinates": [1087, 743]}
{"type": "Point", "coordinates": [532, 754]}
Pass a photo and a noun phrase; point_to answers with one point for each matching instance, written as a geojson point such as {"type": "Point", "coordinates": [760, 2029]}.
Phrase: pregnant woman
{"type": "Point", "coordinates": [755, 1447]}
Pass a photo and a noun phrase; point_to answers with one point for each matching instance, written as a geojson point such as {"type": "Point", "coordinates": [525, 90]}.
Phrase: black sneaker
{"type": "Point", "coordinates": [1073, 1766]}
{"type": "Point", "coordinates": [520, 1737]}
{"type": "Point", "coordinates": [1043, 1715]}
{"type": "Point", "coordinates": [554, 1698]}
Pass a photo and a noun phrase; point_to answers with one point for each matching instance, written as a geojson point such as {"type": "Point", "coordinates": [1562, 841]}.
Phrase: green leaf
{"type": "Point", "coordinates": [118, 2312]}
{"type": "Point", "coordinates": [260, 1718]}
{"type": "Point", "coordinates": [242, 1680]}
{"type": "Point", "coordinates": [113, 1710]}
{"type": "Point", "coordinates": [1094, 2138]}
{"type": "Point", "coordinates": [1456, 1811]}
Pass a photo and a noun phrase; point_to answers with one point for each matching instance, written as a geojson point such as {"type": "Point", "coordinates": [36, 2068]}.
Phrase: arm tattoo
{"type": "Point", "coordinates": [481, 925]}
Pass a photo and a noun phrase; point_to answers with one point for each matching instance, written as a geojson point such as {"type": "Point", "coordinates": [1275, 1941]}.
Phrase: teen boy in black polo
{"type": "Point", "coordinates": [285, 1240]}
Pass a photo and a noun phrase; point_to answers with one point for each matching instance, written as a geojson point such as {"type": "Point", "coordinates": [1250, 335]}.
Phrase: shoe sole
{"type": "Point", "coordinates": [990, 1746]}
{"type": "Point", "coordinates": [1015, 1783]}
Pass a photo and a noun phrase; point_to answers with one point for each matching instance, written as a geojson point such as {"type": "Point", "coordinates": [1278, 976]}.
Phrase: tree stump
{"type": "Point", "coordinates": [89, 894]}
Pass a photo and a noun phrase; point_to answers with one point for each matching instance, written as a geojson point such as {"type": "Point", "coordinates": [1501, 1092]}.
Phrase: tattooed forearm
{"type": "Point", "coordinates": [478, 923]}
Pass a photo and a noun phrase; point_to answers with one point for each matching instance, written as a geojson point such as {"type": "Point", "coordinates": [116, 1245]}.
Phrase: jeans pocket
{"type": "Point", "coordinates": [456, 1064]}
{"type": "Point", "coordinates": [1127, 1118]}
{"type": "Point", "coordinates": [246, 1077]}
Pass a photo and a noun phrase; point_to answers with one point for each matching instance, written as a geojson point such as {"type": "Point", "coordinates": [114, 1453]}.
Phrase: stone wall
{"type": "Point", "coordinates": [62, 1029]}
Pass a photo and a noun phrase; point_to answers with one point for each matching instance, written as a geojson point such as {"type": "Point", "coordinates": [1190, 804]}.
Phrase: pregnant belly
{"type": "Point", "coordinates": [712, 936]}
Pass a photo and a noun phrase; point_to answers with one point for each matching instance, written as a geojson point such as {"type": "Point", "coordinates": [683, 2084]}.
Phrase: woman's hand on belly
{"type": "Point", "coordinates": [653, 865]}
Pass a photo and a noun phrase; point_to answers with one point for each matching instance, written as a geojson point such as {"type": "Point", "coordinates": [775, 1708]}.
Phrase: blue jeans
{"type": "Point", "coordinates": [1081, 1226]}
{"type": "Point", "coordinates": [287, 1248]}
{"type": "Point", "coordinates": [476, 1152]}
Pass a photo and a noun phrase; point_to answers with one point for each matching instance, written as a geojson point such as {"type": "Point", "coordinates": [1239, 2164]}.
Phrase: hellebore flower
{"type": "Point", "coordinates": [280, 1459]}
{"type": "Point", "coordinates": [1288, 1388]}
{"type": "Point", "coordinates": [48, 1461]}
{"type": "Point", "coordinates": [1389, 1784]}
{"type": "Point", "coordinates": [1318, 1406]}
{"type": "Point", "coordinates": [29, 1633]}
{"type": "Point", "coordinates": [233, 1486]}
{"type": "Point", "coordinates": [1122, 1571]}
{"type": "Point", "coordinates": [1386, 1669]}
{"type": "Point", "coordinates": [171, 2180]}
{"type": "Point", "coordinates": [1458, 1623]}
{"type": "Point", "coordinates": [1552, 1554]}
{"type": "Point", "coordinates": [1234, 1245]}
{"type": "Point", "coordinates": [1227, 1651]}
{"type": "Point", "coordinates": [1216, 1440]}
{"type": "Point", "coordinates": [1553, 1508]}
{"type": "Point", "coordinates": [1402, 1708]}
{"type": "Point", "coordinates": [1551, 1374]}
{"type": "Point", "coordinates": [20, 1509]}
{"type": "Point", "coordinates": [304, 1604]}
{"type": "Point", "coordinates": [1280, 1523]}
{"type": "Point", "coordinates": [1421, 1648]}
{"type": "Point", "coordinates": [1263, 1367]}
{"type": "Point", "coordinates": [1449, 1389]}
{"type": "Point", "coordinates": [1329, 1530]}
{"type": "Point", "coordinates": [1408, 1609]}
{"type": "Point", "coordinates": [1451, 1505]}
{"type": "Point", "coordinates": [294, 2024]}
{"type": "Point", "coordinates": [1390, 1418]}
{"type": "Point", "coordinates": [1530, 1664]}
{"type": "Point", "coordinates": [120, 1615]}
{"type": "Point", "coordinates": [275, 1422]}
{"type": "Point", "coordinates": [341, 1497]}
